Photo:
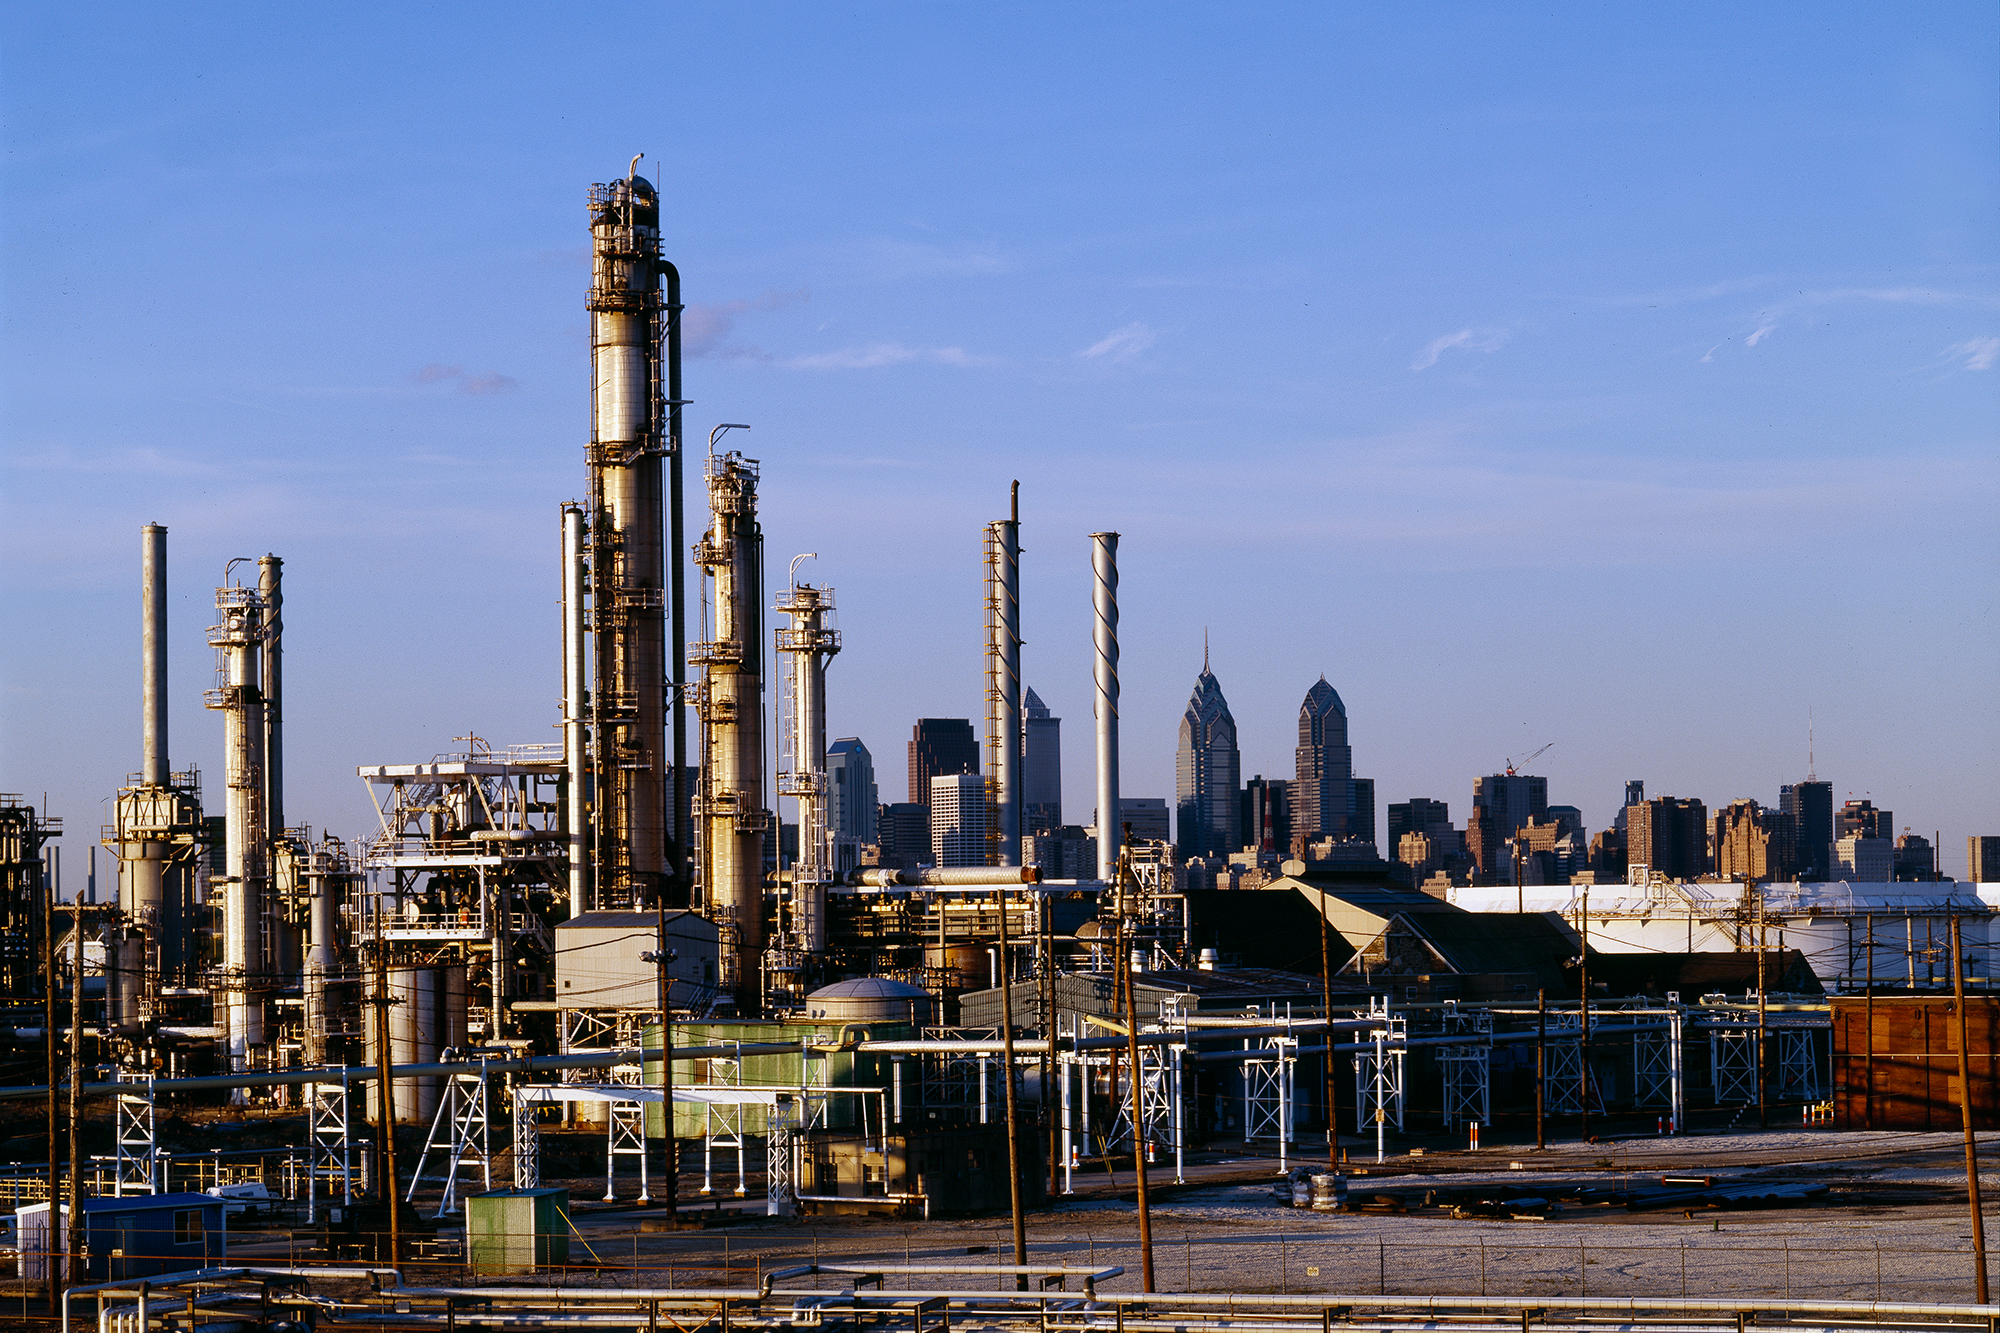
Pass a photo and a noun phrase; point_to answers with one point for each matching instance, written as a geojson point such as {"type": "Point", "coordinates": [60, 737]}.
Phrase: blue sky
{"type": "Point", "coordinates": [1619, 379]}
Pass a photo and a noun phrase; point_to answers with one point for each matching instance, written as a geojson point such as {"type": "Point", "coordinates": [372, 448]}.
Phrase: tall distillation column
{"type": "Point", "coordinates": [807, 643]}
{"type": "Point", "coordinates": [627, 548]}
{"type": "Point", "coordinates": [1104, 602]}
{"type": "Point", "coordinates": [1003, 681]}
{"type": "Point", "coordinates": [576, 758]}
{"type": "Point", "coordinates": [732, 714]}
{"type": "Point", "coordinates": [239, 642]}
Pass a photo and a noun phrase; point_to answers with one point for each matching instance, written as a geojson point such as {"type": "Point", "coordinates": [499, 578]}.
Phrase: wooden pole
{"type": "Point", "coordinates": [1048, 1024]}
{"type": "Point", "coordinates": [1868, 1018]}
{"type": "Point", "coordinates": [1763, 1032]}
{"type": "Point", "coordinates": [1965, 1113]}
{"type": "Point", "coordinates": [1326, 978]}
{"type": "Point", "coordinates": [1007, 1083]}
{"type": "Point", "coordinates": [1541, 1067]}
{"type": "Point", "coordinates": [51, 1258]}
{"type": "Point", "coordinates": [75, 1085]}
{"type": "Point", "coordinates": [1583, 1026]}
{"type": "Point", "coordinates": [385, 1098]}
{"type": "Point", "coordinates": [1138, 1129]}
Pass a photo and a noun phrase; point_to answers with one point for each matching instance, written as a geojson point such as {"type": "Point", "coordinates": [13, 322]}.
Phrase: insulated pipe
{"type": "Point", "coordinates": [577, 761]}
{"type": "Point", "coordinates": [944, 876]}
{"type": "Point", "coordinates": [153, 652]}
{"type": "Point", "coordinates": [1104, 568]}
{"type": "Point", "coordinates": [270, 590]}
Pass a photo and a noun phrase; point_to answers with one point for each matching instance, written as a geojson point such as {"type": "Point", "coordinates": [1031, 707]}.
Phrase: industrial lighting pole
{"type": "Point", "coordinates": [1007, 1082]}
{"type": "Point", "coordinates": [1138, 1117]}
{"type": "Point", "coordinates": [1965, 1112]}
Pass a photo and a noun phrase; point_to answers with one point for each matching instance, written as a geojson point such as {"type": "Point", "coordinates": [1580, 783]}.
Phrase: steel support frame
{"type": "Point", "coordinates": [138, 1149]}
{"type": "Point", "coordinates": [461, 1132]}
{"type": "Point", "coordinates": [329, 1144]}
{"type": "Point", "coordinates": [1732, 1065]}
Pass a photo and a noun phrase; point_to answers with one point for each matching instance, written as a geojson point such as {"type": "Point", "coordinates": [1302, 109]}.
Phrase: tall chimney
{"type": "Point", "coordinates": [1104, 568]}
{"type": "Point", "coordinates": [153, 652]}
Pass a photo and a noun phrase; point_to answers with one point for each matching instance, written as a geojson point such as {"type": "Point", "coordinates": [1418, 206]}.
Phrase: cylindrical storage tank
{"type": "Point", "coordinates": [967, 966]}
{"type": "Point", "coordinates": [870, 1000]}
{"type": "Point", "coordinates": [413, 1039]}
{"type": "Point", "coordinates": [454, 998]}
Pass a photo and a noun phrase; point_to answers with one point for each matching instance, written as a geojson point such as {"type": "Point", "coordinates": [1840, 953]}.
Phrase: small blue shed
{"type": "Point", "coordinates": [139, 1235]}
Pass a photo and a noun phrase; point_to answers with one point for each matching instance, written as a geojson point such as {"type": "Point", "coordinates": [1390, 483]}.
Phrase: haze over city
{"type": "Point", "coordinates": [1623, 381]}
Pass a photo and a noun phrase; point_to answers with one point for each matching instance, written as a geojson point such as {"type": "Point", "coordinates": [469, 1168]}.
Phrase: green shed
{"type": "Point", "coordinates": [517, 1231]}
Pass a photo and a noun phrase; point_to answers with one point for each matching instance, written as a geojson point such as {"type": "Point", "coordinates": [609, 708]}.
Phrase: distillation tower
{"type": "Point", "coordinates": [731, 700]}
{"type": "Point", "coordinates": [628, 772]}
{"type": "Point", "coordinates": [806, 643]}
{"type": "Point", "coordinates": [157, 835]}
{"type": "Point", "coordinates": [246, 642]}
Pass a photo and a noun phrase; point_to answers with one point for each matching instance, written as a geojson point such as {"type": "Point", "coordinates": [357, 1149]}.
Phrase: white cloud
{"type": "Point", "coordinates": [489, 383]}
{"type": "Point", "coordinates": [1764, 330]}
{"type": "Point", "coordinates": [1122, 344]}
{"type": "Point", "coordinates": [885, 354]}
{"type": "Point", "coordinates": [1472, 340]}
{"type": "Point", "coordinates": [1977, 353]}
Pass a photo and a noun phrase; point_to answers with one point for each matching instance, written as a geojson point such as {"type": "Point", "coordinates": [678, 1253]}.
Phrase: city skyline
{"type": "Point", "coordinates": [1635, 311]}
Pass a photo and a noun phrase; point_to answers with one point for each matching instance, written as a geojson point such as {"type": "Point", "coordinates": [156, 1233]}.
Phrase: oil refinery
{"type": "Point", "coordinates": [614, 957]}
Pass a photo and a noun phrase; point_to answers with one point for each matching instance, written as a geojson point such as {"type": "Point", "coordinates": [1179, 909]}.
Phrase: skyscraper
{"type": "Point", "coordinates": [1041, 787]}
{"type": "Point", "coordinates": [1511, 800]}
{"type": "Point", "coordinates": [1322, 792]}
{"type": "Point", "coordinates": [1982, 858]}
{"type": "Point", "coordinates": [851, 798]}
{"type": "Point", "coordinates": [1206, 772]}
{"type": "Point", "coordinates": [1810, 804]}
{"type": "Point", "coordinates": [1669, 835]}
{"type": "Point", "coordinates": [1266, 819]}
{"type": "Point", "coordinates": [1860, 819]}
{"type": "Point", "coordinates": [1361, 809]}
{"type": "Point", "coordinates": [1419, 814]}
{"type": "Point", "coordinates": [1754, 842]}
{"type": "Point", "coordinates": [904, 833]}
{"type": "Point", "coordinates": [940, 747]}
{"type": "Point", "coordinates": [958, 820]}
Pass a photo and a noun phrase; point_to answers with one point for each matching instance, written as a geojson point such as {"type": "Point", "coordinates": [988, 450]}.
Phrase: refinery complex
{"type": "Point", "coordinates": [609, 960]}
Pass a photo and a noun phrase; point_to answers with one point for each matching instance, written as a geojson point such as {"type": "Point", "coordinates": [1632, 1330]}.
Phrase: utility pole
{"type": "Point", "coordinates": [1868, 1019]}
{"type": "Point", "coordinates": [1326, 980]}
{"type": "Point", "coordinates": [1049, 1065]}
{"type": "Point", "coordinates": [1138, 1125]}
{"type": "Point", "coordinates": [1763, 1104]}
{"type": "Point", "coordinates": [385, 1100]}
{"type": "Point", "coordinates": [75, 1088]}
{"type": "Point", "coordinates": [1965, 1111]}
{"type": "Point", "coordinates": [1583, 1025]}
{"type": "Point", "coordinates": [1541, 1067]}
{"type": "Point", "coordinates": [1007, 1083]}
{"type": "Point", "coordinates": [51, 1256]}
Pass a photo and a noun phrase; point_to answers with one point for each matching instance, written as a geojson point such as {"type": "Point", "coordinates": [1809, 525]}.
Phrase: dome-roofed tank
{"type": "Point", "coordinates": [870, 999]}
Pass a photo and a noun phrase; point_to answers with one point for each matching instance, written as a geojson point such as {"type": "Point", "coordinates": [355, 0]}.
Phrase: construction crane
{"type": "Point", "coordinates": [1512, 771]}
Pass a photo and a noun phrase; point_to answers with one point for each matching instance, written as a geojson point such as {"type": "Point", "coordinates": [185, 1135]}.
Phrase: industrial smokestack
{"type": "Point", "coordinates": [1104, 600]}
{"type": "Point", "coordinates": [239, 637]}
{"type": "Point", "coordinates": [153, 652]}
{"type": "Point", "coordinates": [1003, 678]}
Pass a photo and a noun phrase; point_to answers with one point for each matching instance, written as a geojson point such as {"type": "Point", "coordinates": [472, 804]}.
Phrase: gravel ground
{"type": "Point", "coordinates": [1893, 1227]}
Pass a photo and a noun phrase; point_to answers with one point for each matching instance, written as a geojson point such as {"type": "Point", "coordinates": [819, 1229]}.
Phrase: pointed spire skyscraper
{"type": "Point", "coordinates": [1323, 792]}
{"type": "Point", "coordinates": [1207, 770]}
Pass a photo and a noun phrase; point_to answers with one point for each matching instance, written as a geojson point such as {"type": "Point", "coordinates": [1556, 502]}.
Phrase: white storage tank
{"type": "Point", "coordinates": [870, 1000]}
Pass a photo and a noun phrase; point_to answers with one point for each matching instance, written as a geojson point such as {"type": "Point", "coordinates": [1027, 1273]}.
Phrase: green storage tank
{"type": "Point", "coordinates": [517, 1231]}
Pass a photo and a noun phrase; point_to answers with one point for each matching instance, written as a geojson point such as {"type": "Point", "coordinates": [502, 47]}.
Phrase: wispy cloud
{"type": "Point", "coordinates": [1121, 345]}
{"type": "Point", "coordinates": [1471, 340]}
{"type": "Point", "coordinates": [490, 383]}
{"type": "Point", "coordinates": [1764, 330]}
{"type": "Point", "coordinates": [875, 355]}
{"type": "Point", "coordinates": [1976, 353]}
{"type": "Point", "coordinates": [705, 329]}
